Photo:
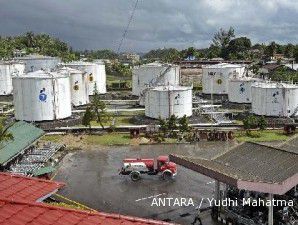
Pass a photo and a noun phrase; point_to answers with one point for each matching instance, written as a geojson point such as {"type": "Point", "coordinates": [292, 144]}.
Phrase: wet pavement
{"type": "Point", "coordinates": [92, 179]}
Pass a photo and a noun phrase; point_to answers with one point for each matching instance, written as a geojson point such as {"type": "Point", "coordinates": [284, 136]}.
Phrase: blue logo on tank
{"type": "Point", "coordinates": [42, 96]}
{"type": "Point", "coordinates": [242, 89]}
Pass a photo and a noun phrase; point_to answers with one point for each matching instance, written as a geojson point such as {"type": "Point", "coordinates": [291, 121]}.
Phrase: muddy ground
{"type": "Point", "coordinates": [92, 179]}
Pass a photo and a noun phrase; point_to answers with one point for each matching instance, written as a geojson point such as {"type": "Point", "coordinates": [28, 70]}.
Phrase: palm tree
{"type": "Point", "coordinates": [5, 135]}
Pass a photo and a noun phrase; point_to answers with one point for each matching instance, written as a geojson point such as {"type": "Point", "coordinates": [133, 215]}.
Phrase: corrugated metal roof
{"type": "Point", "coordinates": [251, 163]}
{"type": "Point", "coordinates": [24, 135]}
{"type": "Point", "coordinates": [43, 170]}
{"type": "Point", "coordinates": [16, 187]}
{"type": "Point", "coordinates": [12, 212]}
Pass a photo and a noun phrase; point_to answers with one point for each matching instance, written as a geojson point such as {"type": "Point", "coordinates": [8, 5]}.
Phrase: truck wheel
{"type": "Point", "coordinates": [167, 175]}
{"type": "Point", "coordinates": [135, 176]}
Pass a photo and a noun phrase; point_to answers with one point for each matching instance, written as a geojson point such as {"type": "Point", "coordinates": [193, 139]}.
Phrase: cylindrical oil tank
{"type": "Point", "coordinates": [39, 62]}
{"type": "Point", "coordinates": [96, 73]}
{"type": "Point", "coordinates": [78, 85]}
{"type": "Point", "coordinates": [216, 77]}
{"type": "Point", "coordinates": [240, 89]}
{"type": "Point", "coordinates": [7, 70]}
{"type": "Point", "coordinates": [154, 74]}
{"type": "Point", "coordinates": [41, 96]}
{"type": "Point", "coordinates": [164, 101]}
{"type": "Point", "coordinates": [275, 99]}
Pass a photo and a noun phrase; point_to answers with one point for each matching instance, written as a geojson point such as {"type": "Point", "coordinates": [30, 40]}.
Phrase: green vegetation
{"type": "Point", "coordinates": [96, 111]}
{"type": "Point", "coordinates": [284, 74]}
{"type": "Point", "coordinates": [100, 54]}
{"type": "Point", "coordinates": [261, 136]}
{"type": "Point", "coordinates": [36, 43]}
{"type": "Point", "coordinates": [165, 55]}
{"type": "Point", "coordinates": [52, 138]}
{"type": "Point", "coordinates": [253, 122]}
{"type": "Point", "coordinates": [108, 139]}
{"type": "Point", "coordinates": [105, 139]}
{"type": "Point", "coordinates": [5, 135]}
{"type": "Point", "coordinates": [173, 127]}
{"type": "Point", "coordinates": [117, 120]}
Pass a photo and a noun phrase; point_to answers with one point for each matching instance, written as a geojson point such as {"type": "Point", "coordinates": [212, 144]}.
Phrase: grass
{"type": "Point", "coordinates": [52, 138]}
{"type": "Point", "coordinates": [108, 139]}
{"type": "Point", "coordinates": [261, 136]}
{"type": "Point", "coordinates": [119, 120]}
{"type": "Point", "coordinates": [105, 139]}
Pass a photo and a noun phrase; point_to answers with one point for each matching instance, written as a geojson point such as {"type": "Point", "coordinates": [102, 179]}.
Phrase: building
{"type": "Point", "coordinates": [96, 72]}
{"type": "Point", "coordinates": [216, 77]}
{"type": "Point", "coordinates": [165, 101]}
{"type": "Point", "coordinates": [39, 62]}
{"type": "Point", "coordinates": [25, 135]}
{"type": "Point", "coordinates": [255, 171]}
{"type": "Point", "coordinates": [21, 202]}
{"type": "Point", "coordinates": [129, 59]}
{"type": "Point", "coordinates": [152, 75]}
{"type": "Point", "coordinates": [42, 96]}
{"type": "Point", "coordinates": [15, 187]}
{"type": "Point", "coordinates": [7, 70]}
{"type": "Point", "coordinates": [274, 99]}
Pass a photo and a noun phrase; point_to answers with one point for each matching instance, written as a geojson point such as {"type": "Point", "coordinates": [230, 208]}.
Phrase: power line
{"type": "Point", "coordinates": [127, 27]}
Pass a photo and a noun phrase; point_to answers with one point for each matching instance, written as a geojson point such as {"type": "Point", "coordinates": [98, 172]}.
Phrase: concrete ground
{"type": "Point", "coordinates": [92, 179]}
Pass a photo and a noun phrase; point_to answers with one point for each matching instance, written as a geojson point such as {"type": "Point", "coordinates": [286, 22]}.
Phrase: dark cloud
{"type": "Point", "coordinates": [96, 24]}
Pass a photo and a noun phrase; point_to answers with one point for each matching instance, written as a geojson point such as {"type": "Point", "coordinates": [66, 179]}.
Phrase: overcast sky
{"type": "Point", "coordinates": [98, 24]}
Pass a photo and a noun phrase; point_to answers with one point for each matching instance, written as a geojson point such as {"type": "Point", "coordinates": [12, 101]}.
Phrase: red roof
{"type": "Point", "coordinates": [19, 213]}
{"type": "Point", "coordinates": [16, 187]}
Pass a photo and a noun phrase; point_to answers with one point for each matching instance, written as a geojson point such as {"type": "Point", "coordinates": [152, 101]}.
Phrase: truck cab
{"type": "Point", "coordinates": [165, 166]}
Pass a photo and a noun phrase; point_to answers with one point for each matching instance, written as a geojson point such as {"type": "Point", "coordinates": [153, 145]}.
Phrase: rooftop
{"type": "Point", "coordinates": [20, 212]}
{"type": "Point", "coordinates": [156, 64]}
{"type": "Point", "coordinates": [16, 187]}
{"type": "Point", "coordinates": [24, 135]}
{"type": "Point", "coordinates": [222, 65]}
{"type": "Point", "coordinates": [10, 62]}
{"type": "Point", "coordinates": [18, 196]}
{"type": "Point", "coordinates": [171, 88]}
{"type": "Point", "coordinates": [249, 166]}
{"type": "Point", "coordinates": [79, 63]}
{"type": "Point", "coordinates": [35, 56]}
{"type": "Point", "coordinates": [41, 74]}
{"type": "Point", "coordinates": [69, 70]}
{"type": "Point", "coordinates": [275, 85]}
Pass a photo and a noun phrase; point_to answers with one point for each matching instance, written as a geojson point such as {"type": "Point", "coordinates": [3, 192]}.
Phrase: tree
{"type": "Point", "coordinates": [5, 135]}
{"type": "Point", "coordinates": [163, 126]}
{"type": "Point", "coordinates": [289, 50]}
{"type": "Point", "coordinates": [262, 124]}
{"type": "Point", "coordinates": [99, 108]}
{"type": "Point", "coordinates": [222, 39]}
{"type": "Point", "coordinates": [172, 123]}
{"type": "Point", "coordinates": [250, 122]}
{"type": "Point", "coordinates": [238, 48]}
{"type": "Point", "coordinates": [271, 49]}
{"type": "Point", "coordinates": [87, 118]}
{"type": "Point", "coordinates": [183, 124]}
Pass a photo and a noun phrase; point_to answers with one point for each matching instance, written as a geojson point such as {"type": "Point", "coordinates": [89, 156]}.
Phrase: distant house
{"type": "Point", "coordinates": [129, 58]}
{"type": "Point", "coordinates": [269, 68]}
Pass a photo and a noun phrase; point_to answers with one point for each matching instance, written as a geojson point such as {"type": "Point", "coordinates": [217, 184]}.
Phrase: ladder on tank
{"type": "Point", "coordinates": [153, 83]}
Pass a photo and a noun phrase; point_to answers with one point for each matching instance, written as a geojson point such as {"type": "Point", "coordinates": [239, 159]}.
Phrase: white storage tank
{"type": "Point", "coordinates": [39, 62]}
{"type": "Point", "coordinates": [96, 72]}
{"type": "Point", "coordinates": [41, 96]}
{"type": "Point", "coordinates": [78, 85]}
{"type": "Point", "coordinates": [154, 74]}
{"type": "Point", "coordinates": [7, 70]}
{"type": "Point", "coordinates": [275, 99]}
{"type": "Point", "coordinates": [164, 101]}
{"type": "Point", "coordinates": [216, 77]}
{"type": "Point", "coordinates": [240, 89]}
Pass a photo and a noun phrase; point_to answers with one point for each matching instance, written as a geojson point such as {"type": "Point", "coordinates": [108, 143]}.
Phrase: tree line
{"type": "Point", "coordinates": [224, 44]}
